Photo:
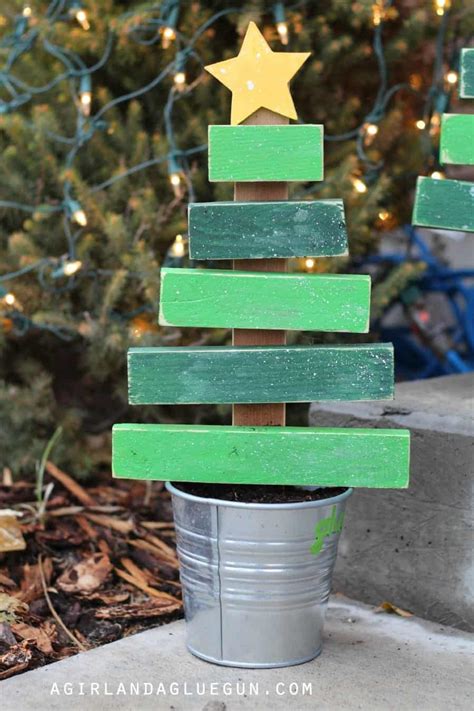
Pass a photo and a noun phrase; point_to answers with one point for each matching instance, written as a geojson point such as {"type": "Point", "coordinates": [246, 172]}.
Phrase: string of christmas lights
{"type": "Point", "coordinates": [162, 25]}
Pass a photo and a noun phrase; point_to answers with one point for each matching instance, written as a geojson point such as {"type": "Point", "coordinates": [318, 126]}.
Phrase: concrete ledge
{"type": "Point", "coordinates": [414, 547]}
{"type": "Point", "coordinates": [369, 661]}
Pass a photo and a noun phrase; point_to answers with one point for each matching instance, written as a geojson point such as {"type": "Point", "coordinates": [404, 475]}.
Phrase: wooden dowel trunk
{"type": "Point", "coordinates": [267, 413]}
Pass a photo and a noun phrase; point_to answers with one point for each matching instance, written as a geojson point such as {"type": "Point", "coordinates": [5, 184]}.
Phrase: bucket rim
{"type": "Point", "coordinates": [253, 505]}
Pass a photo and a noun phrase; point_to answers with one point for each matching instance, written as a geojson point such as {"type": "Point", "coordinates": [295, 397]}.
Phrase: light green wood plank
{"type": "Point", "coordinates": [457, 139]}
{"type": "Point", "coordinates": [269, 153]}
{"type": "Point", "coordinates": [445, 204]}
{"type": "Point", "coordinates": [466, 79]}
{"type": "Point", "coordinates": [300, 456]}
{"type": "Point", "coordinates": [255, 374]}
{"type": "Point", "coordinates": [216, 298]}
{"type": "Point", "coordinates": [260, 230]}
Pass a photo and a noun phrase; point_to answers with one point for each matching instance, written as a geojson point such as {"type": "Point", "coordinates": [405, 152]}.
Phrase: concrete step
{"type": "Point", "coordinates": [371, 661]}
{"type": "Point", "coordinates": [414, 545]}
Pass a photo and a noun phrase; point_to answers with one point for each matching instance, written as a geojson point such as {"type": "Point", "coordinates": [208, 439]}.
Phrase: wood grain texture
{"type": "Point", "coordinates": [217, 298]}
{"type": "Point", "coordinates": [259, 230]}
{"type": "Point", "coordinates": [264, 413]}
{"type": "Point", "coordinates": [457, 139]}
{"type": "Point", "coordinates": [466, 78]}
{"type": "Point", "coordinates": [300, 456]}
{"type": "Point", "coordinates": [446, 204]}
{"type": "Point", "coordinates": [258, 374]}
{"type": "Point", "coordinates": [265, 153]}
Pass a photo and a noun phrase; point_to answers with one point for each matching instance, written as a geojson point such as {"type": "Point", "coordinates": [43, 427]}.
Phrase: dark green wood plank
{"type": "Point", "coordinates": [446, 204]}
{"type": "Point", "coordinates": [257, 374]}
{"type": "Point", "coordinates": [457, 139]}
{"type": "Point", "coordinates": [260, 230]}
{"type": "Point", "coordinates": [466, 79]}
{"type": "Point", "coordinates": [300, 456]}
{"type": "Point", "coordinates": [255, 153]}
{"type": "Point", "coordinates": [216, 298]}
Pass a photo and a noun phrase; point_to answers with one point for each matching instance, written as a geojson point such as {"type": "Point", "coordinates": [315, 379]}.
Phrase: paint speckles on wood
{"type": "Point", "coordinates": [265, 153]}
{"type": "Point", "coordinates": [257, 374]}
{"type": "Point", "coordinates": [466, 79]}
{"type": "Point", "coordinates": [300, 456]}
{"type": "Point", "coordinates": [215, 298]}
{"type": "Point", "coordinates": [446, 204]}
{"type": "Point", "coordinates": [457, 139]}
{"type": "Point", "coordinates": [260, 230]}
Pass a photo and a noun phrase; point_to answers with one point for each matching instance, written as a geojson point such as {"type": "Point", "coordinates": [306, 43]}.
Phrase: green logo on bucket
{"type": "Point", "coordinates": [326, 527]}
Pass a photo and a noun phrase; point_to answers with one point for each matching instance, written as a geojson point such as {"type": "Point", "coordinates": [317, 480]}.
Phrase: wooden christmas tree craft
{"type": "Point", "coordinates": [449, 204]}
{"type": "Point", "coordinates": [259, 300]}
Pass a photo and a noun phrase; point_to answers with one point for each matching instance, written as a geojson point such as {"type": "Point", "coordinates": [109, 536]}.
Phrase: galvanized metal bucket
{"type": "Point", "coordinates": [256, 577]}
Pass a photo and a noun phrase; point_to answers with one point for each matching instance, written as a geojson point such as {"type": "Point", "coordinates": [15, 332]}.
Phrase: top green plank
{"type": "Point", "coordinates": [265, 153]}
{"type": "Point", "coordinates": [466, 82]}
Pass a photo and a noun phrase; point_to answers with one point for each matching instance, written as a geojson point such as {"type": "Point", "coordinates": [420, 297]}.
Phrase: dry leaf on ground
{"type": "Point", "coordinates": [10, 607]}
{"type": "Point", "coordinates": [86, 576]}
{"type": "Point", "coordinates": [11, 536]}
{"type": "Point", "coordinates": [143, 610]}
{"type": "Point", "coordinates": [18, 654]}
{"type": "Point", "coordinates": [390, 607]}
{"type": "Point", "coordinates": [31, 586]}
{"type": "Point", "coordinates": [42, 637]}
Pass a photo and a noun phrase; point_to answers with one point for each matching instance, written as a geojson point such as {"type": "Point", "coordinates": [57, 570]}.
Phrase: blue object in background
{"type": "Point", "coordinates": [425, 347]}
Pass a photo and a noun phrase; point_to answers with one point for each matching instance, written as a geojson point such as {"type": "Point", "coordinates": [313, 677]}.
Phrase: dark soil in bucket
{"type": "Point", "coordinates": [255, 494]}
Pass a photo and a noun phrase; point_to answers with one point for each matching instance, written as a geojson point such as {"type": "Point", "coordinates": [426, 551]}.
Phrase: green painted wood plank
{"type": "Point", "coordinates": [255, 374]}
{"type": "Point", "coordinates": [261, 230]}
{"type": "Point", "coordinates": [466, 79]}
{"type": "Point", "coordinates": [256, 153]}
{"type": "Point", "coordinates": [457, 139]}
{"type": "Point", "coordinates": [217, 298]}
{"type": "Point", "coordinates": [301, 456]}
{"type": "Point", "coordinates": [445, 204]}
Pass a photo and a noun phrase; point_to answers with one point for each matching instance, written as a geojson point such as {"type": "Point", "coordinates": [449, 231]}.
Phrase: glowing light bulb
{"type": "Point", "coordinates": [435, 123]}
{"type": "Point", "coordinates": [178, 248]}
{"type": "Point", "coordinates": [441, 6]}
{"type": "Point", "coordinates": [377, 15]}
{"type": "Point", "coordinates": [437, 175]}
{"type": "Point", "coordinates": [79, 216]}
{"type": "Point", "coordinates": [72, 267]}
{"type": "Point", "coordinates": [280, 21]}
{"type": "Point", "coordinates": [86, 100]}
{"type": "Point", "coordinates": [384, 215]}
{"type": "Point", "coordinates": [415, 81]}
{"type": "Point", "coordinates": [421, 124]}
{"type": "Point", "coordinates": [359, 185]}
{"type": "Point", "coordinates": [167, 36]}
{"type": "Point", "coordinates": [27, 11]}
{"type": "Point", "coordinates": [309, 263]}
{"type": "Point", "coordinates": [176, 184]}
{"type": "Point", "coordinates": [9, 298]}
{"type": "Point", "coordinates": [81, 17]}
{"type": "Point", "coordinates": [180, 80]}
{"type": "Point", "coordinates": [282, 29]}
{"type": "Point", "coordinates": [175, 176]}
{"type": "Point", "coordinates": [372, 129]}
{"type": "Point", "coordinates": [451, 77]}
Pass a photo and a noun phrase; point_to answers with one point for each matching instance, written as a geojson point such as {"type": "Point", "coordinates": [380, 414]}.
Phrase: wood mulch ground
{"type": "Point", "coordinates": [87, 564]}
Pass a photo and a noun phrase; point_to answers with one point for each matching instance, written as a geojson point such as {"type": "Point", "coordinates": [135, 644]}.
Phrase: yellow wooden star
{"type": "Point", "coordinates": [258, 77]}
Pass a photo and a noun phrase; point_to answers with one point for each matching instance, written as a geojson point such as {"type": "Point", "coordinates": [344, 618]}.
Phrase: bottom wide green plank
{"type": "Point", "coordinates": [262, 455]}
